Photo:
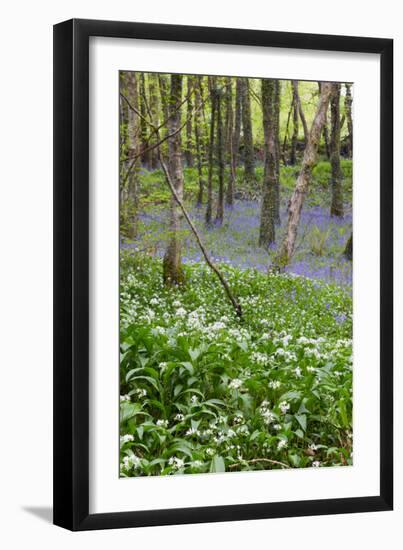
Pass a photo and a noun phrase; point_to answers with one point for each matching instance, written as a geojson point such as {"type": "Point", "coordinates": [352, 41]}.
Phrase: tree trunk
{"type": "Point", "coordinates": [209, 209]}
{"type": "Point", "coordinates": [145, 157]}
{"type": "Point", "coordinates": [172, 268]}
{"type": "Point", "coordinates": [249, 155]}
{"type": "Point", "coordinates": [295, 125]}
{"type": "Point", "coordinates": [153, 105]}
{"type": "Point", "coordinates": [189, 125]}
{"type": "Point", "coordinates": [325, 130]}
{"type": "Point", "coordinates": [286, 132]}
{"type": "Point", "coordinates": [199, 144]}
{"type": "Point", "coordinates": [276, 118]}
{"type": "Point", "coordinates": [220, 156]}
{"type": "Point", "coordinates": [237, 122]}
{"type": "Point", "coordinates": [268, 208]}
{"type": "Point", "coordinates": [336, 208]}
{"type": "Point", "coordinates": [348, 251]}
{"type": "Point", "coordinates": [348, 100]}
{"type": "Point", "coordinates": [297, 199]}
{"type": "Point", "coordinates": [133, 146]}
{"type": "Point", "coordinates": [229, 137]}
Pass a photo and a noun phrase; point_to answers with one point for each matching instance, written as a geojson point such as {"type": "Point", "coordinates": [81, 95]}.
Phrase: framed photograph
{"type": "Point", "coordinates": [221, 350]}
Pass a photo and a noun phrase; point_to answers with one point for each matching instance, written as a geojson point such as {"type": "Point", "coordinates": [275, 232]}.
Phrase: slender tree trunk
{"type": "Point", "coordinates": [172, 267]}
{"type": "Point", "coordinates": [133, 147]}
{"type": "Point", "coordinates": [189, 124]}
{"type": "Point", "coordinates": [297, 199]}
{"type": "Point", "coordinates": [348, 100]}
{"type": "Point", "coordinates": [153, 105]}
{"type": "Point", "coordinates": [276, 118]}
{"type": "Point", "coordinates": [249, 155]}
{"type": "Point", "coordinates": [325, 130]}
{"type": "Point", "coordinates": [268, 209]}
{"type": "Point", "coordinates": [220, 156]}
{"type": "Point", "coordinates": [336, 208]}
{"type": "Point", "coordinates": [237, 122]}
{"type": "Point", "coordinates": [145, 157]}
{"type": "Point", "coordinates": [295, 125]}
{"type": "Point", "coordinates": [209, 209]}
{"type": "Point", "coordinates": [229, 137]}
{"type": "Point", "coordinates": [348, 251]}
{"type": "Point", "coordinates": [301, 113]}
{"type": "Point", "coordinates": [286, 132]}
{"type": "Point", "coordinates": [199, 145]}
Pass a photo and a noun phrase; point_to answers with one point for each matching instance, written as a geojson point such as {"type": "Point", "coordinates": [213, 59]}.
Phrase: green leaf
{"type": "Point", "coordinates": [217, 464]}
{"type": "Point", "coordinates": [301, 418]}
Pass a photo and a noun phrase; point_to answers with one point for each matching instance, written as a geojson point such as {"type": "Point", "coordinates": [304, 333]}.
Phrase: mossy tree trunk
{"type": "Point", "coordinates": [172, 267]}
{"type": "Point", "coordinates": [309, 160]}
{"type": "Point", "coordinates": [267, 233]}
{"type": "Point", "coordinates": [249, 155]}
{"type": "Point", "coordinates": [336, 207]}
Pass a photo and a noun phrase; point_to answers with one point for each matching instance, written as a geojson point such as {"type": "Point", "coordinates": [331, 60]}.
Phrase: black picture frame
{"type": "Point", "coordinates": [71, 274]}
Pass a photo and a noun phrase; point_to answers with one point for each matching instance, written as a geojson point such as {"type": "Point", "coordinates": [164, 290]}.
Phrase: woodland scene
{"type": "Point", "coordinates": [236, 249]}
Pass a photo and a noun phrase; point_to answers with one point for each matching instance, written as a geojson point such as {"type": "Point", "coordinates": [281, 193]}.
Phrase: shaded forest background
{"type": "Point", "coordinates": [241, 143]}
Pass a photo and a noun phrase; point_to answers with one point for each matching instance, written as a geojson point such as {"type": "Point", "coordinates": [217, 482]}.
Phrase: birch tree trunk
{"type": "Point", "coordinates": [297, 199]}
{"type": "Point", "coordinates": [336, 208]}
{"type": "Point", "coordinates": [172, 268]}
{"type": "Point", "coordinates": [268, 208]}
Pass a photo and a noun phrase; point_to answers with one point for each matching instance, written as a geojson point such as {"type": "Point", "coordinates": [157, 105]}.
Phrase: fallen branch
{"type": "Point", "coordinates": [257, 460]}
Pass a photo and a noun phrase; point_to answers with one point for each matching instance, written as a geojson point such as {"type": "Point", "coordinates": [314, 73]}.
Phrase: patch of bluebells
{"type": "Point", "coordinates": [235, 242]}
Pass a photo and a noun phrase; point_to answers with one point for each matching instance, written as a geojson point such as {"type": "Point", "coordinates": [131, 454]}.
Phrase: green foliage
{"type": "Point", "coordinates": [201, 392]}
{"type": "Point", "coordinates": [317, 239]}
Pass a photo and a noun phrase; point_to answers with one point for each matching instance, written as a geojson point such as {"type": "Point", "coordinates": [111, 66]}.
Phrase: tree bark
{"type": "Point", "coordinates": [336, 208]}
{"type": "Point", "coordinates": [348, 100]}
{"type": "Point", "coordinates": [276, 117]}
{"type": "Point", "coordinates": [172, 267]}
{"type": "Point", "coordinates": [229, 138]}
{"type": "Point", "coordinates": [209, 208]}
{"type": "Point", "coordinates": [325, 130]}
{"type": "Point", "coordinates": [199, 144]}
{"type": "Point", "coordinates": [295, 125]}
{"type": "Point", "coordinates": [267, 233]}
{"type": "Point", "coordinates": [249, 154]}
{"type": "Point", "coordinates": [133, 146]}
{"type": "Point", "coordinates": [153, 105]}
{"type": "Point", "coordinates": [237, 122]}
{"type": "Point", "coordinates": [297, 199]}
{"type": "Point", "coordinates": [348, 251]}
{"type": "Point", "coordinates": [189, 124]}
{"type": "Point", "coordinates": [145, 157]}
{"type": "Point", "coordinates": [220, 157]}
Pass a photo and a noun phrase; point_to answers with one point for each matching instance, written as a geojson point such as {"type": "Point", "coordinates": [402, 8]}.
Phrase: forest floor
{"type": "Point", "coordinates": [321, 238]}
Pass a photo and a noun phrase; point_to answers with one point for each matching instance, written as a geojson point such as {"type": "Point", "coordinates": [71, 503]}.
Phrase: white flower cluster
{"type": "Point", "coordinates": [235, 384]}
{"type": "Point", "coordinates": [131, 461]}
{"type": "Point", "coordinates": [125, 439]}
{"type": "Point", "coordinates": [176, 463]}
{"type": "Point", "coordinates": [284, 407]}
